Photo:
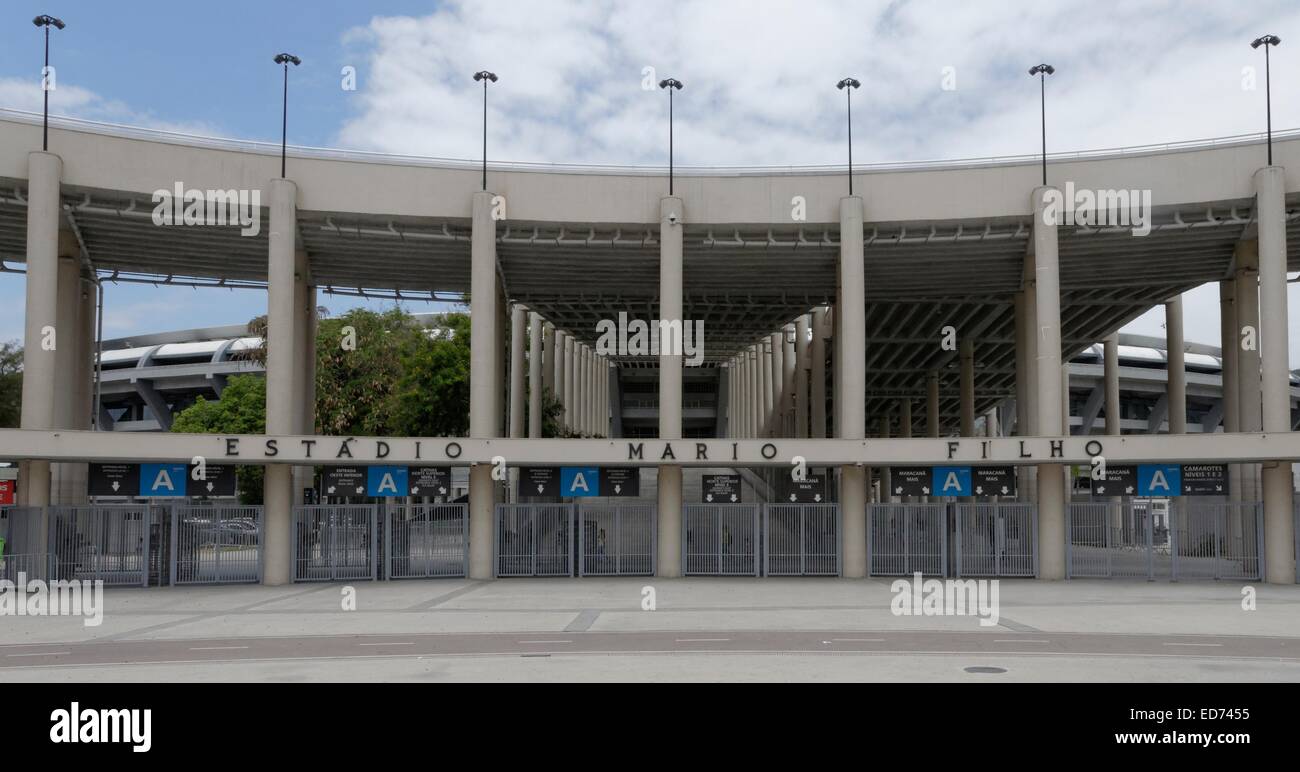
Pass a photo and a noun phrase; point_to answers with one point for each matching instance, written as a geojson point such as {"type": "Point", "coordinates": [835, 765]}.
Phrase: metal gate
{"type": "Point", "coordinates": [426, 540]}
{"type": "Point", "coordinates": [617, 539]}
{"type": "Point", "coordinates": [1195, 540]}
{"type": "Point", "coordinates": [720, 539]}
{"type": "Point", "coordinates": [801, 539]}
{"type": "Point", "coordinates": [996, 539]}
{"type": "Point", "coordinates": [904, 539]}
{"type": "Point", "coordinates": [101, 542]}
{"type": "Point", "coordinates": [334, 541]}
{"type": "Point", "coordinates": [216, 544]}
{"type": "Point", "coordinates": [22, 551]}
{"type": "Point", "coordinates": [534, 539]}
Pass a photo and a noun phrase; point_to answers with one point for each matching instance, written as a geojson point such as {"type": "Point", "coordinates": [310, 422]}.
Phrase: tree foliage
{"type": "Point", "coordinates": [11, 384]}
{"type": "Point", "coordinates": [240, 410]}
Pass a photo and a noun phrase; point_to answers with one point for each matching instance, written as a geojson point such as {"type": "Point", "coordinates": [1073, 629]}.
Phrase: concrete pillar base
{"type": "Point", "coordinates": [1279, 524]}
{"type": "Point", "coordinates": [482, 512]}
{"type": "Point", "coordinates": [1051, 521]}
{"type": "Point", "coordinates": [668, 563]}
{"type": "Point", "coordinates": [277, 531]}
{"type": "Point", "coordinates": [853, 514]}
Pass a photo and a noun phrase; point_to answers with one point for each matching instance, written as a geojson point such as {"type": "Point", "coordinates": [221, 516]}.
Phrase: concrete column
{"type": "Point", "coordinates": [764, 366]}
{"type": "Point", "coordinates": [68, 480]}
{"type": "Point", "coordinates": [283, 416]}
{"type": "Point", "coordinates": [518, 315]}
{"type": "Point", "coordinates": [570, 383]}
{"type": "Point", "coordinates": [1023, 385]}
{"type": "Point", "coordinates": [671, 222]}
{"type": "Point", "coordinates": [1051, 477]}
{"type": "Point", "coordinates": [905, 417]}
{"type": "Point", "coordinates": [776, 404]}
{"type": "Point", "coordinates": [304, 375]}
{"type": "Point", "coordinates": [966, 354]}
{"type": "Point", "coordinates": [788, 364]}
{"type": "Point", "coordinates": [536, 368]}
{"type": "Point", "coordinates": [755, 392]}
{"type": "Point", "coordinates": [1249, 391]}
{"type": "Point", "coordinates": [1176, 366]}
{"type": "Point", "coordinates": [802, 353]}
{"type": "Point", "coordinates": [817, 375]}
{"type": "Point", "coordinates": [548, 359]}
{"type": "Point", "coordinates": [485, 381]}
{"type": "Point", "coordinates": [560, 385]}
{"type": "Point", "coordinates": [885, 477]}
{"type": "Point", "coordinates": [1029, 474]}
{"type": "Point", "coordinates": [1110, 379]}
{"type": "Point", "coordinates": [1279, 525]}
{"type": "Point", "coordinates": [932, 403]}
{"type": "Point", "coordinates": [851, 308]}
{"type": "Point", "coordinates": [44, 175]}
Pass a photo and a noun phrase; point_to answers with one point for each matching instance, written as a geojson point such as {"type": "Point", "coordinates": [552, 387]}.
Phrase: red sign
{"type": "Point", "coordinates": [6, 493]}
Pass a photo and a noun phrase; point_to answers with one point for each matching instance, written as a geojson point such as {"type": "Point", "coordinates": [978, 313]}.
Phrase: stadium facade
{"type": "Point", "coordinates": [860, 334]}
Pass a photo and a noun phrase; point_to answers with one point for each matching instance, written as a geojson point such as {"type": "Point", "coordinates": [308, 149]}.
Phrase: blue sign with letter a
{"type": "Point", "coordinates": [951, 481]}
{"type": "Point", "coordinates": [163, 480]}
{"type": "Point", "coordinates": [385, 481]}
{"type": "Point", "coordinates": [1160, 480]}
{"type": "Point", "coordinates": [579, 481]}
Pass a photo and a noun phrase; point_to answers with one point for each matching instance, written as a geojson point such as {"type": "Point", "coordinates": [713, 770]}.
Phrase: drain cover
{"type": "Point", "coordinates": [981, 669]}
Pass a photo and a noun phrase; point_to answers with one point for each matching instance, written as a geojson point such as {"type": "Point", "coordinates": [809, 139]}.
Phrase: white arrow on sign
{"type": "Point", "coordinates": [979, 489]}
{"type": "Point", "coordinates": [330, 490]}
{"type": "Point", "coordinates": [361, 489]}
{"type": "Point", "coordinates": [115, 486]}
{"type": "Point", "coordinates": [792, 497]}
{"type": "Point", "coordinates": [925, 489]}
{"type": "Point", "coordinates": [415, 489]}
{"type": "Point", "coordinates": [709, 497]}
{"type": "Point", "coordinates": [442, 491]}
{"type": "Point", "coordinates": [899, 490]}
{"type": "Point", "coordinates": [1129, 490]}
{"type": "Point", "coordinates": [733, 497]}
{"type": "Point", "coordinates": [1101, 488]}
{"type": "Point", "coordinates": [540, 487]}
{"type": "Point", "coordinates": [210, 486]}
{"type": "Point", "coordinates": [618, 488]}
{"type": "Point", "coordinates": [817, 497]}
{"type": "Point", "coordinates": [1004, 490]}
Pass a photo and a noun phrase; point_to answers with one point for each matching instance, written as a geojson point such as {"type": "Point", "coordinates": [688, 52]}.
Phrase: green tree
{"type": "Point", "coordinates": [11, 384]}
{"type": "Point", "coordinates": [431, 398]}
{"type": "Point", "coordinates": [240, 410]}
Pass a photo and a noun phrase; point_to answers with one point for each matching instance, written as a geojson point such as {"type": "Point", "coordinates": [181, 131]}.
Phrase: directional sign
{"type": "Point", "coordinates": [994, 480]}
{"type": "Point", "coordinates": [385, 481]}
{"type": "Point", "coordinates": [910, 480]}
{"type": "Point", "coordinates": [1159, 480]}
{"type": "Point", "coordinates": [1120, 481]}
{"type": "Point", "coordinates": [721, 489]}
{"type": "Point", "coordinates": [344, 481]}
{"type": "Point", "coordinates": [539, 481]}
{"type": "Point", "coordinates": [811, 490]}
{"type": "Point", "coordinates": [6, 493]}
{"type": "Point", "coordinates": [218, 480]}
{"type": "Point", "coordinates": [163, 480]}
{"type": "Point", "coordinates": [1205, 480]}
{"type": "Point", "coordinates": [429, 480]}
{"type": "Point", "coordinates": [114, 480]}
{"type": "Point", "coordinates": [951, 481]}
{"type": "Point", "coordinates": [579, 481]}
{"type": "Point", "coordinates": [620, 481]}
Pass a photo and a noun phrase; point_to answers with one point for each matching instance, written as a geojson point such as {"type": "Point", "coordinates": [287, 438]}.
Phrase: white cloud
{"type": "Point", "coordinates": [78, 102]}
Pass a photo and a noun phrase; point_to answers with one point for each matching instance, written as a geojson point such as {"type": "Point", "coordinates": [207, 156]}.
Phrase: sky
{"type": "Point", "coordinates": [939, 80]}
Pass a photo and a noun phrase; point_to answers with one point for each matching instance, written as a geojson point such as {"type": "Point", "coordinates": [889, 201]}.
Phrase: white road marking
{"type": "Point", "coordinates": [40, 654]}
{"type": "Point", "coordinates": [700, 640]}
{"type": "Point", "coordinates": [215, 648]}
{"type": "Point", "coordinates": [858, 640]}
{"type": "Point", "coordinates": [1020, 640]}
{"type": "Point", "coordinates": [546, 641]}
{"type": "Point", "coordinates": [395, 643]}
{"type": "Point", "coordinates": [1193, 644]}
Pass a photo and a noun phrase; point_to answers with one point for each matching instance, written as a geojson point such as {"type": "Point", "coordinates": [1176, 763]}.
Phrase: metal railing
{"type": "Point", "coordinates": [904, 539]}
{"type": "Point", "coordinates": [617, 539]}
{"type": "Point", "coordinates": [801, 539]}
{"type": "Point", "coordinates": [105, 542]}
{"type": "Point", "coordinates": [534, 540]}
{"type": "Point", "coordinates": [216, 544]}
{"type": "Point", "coordinates": [334, 541]}
{"type": "Point", "coordinates": [721, 539]}
{"type": "Point", "coordinates": [996, 538]}
{"type": "Point", "coordinates": [426, 541]}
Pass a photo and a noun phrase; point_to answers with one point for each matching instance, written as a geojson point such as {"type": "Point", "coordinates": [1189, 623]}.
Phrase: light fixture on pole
{"type": "Point", "coordinates": [485, 76]}
{"type": "Point", "coordinates": [286, 60]}
{"type": "Point", "coordinates": [1042, 71]}
{"type": "Point", "coordinates": [671, 84]}
{"type": "Point", "coordinates": [1267, 41]}
{"type": "Point", "coordinates": [847, 85]}
{"type": "Point", "coordinates": [47, 21]}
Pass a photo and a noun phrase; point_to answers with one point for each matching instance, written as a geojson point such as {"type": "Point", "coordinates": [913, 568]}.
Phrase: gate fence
{"type": "Point", "coordinates": [23, 551]}
{"type": "Point", "coordinates": [216, 544]}
{"type": "Point", "coordinates": [423, 541]}
{"type": "Point", "coordinates": [720, 539]}
{"type": "Point", "coordinates": [335, 541]}
{"type": "Point", "coordinates": [617, 539]}
{"type": "Point", "coordinates": [904, 539]}
{"type": "Point", "coordinates": [801, 540]}
{"type": "Point", "coordinates": [1197, 539]}
{"type": "Point", "coordinates": [534, 539]}
{"type": "Point", "coordinates": [101, 542]}
{"type": "Point", "coordinates": [996, 539]}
